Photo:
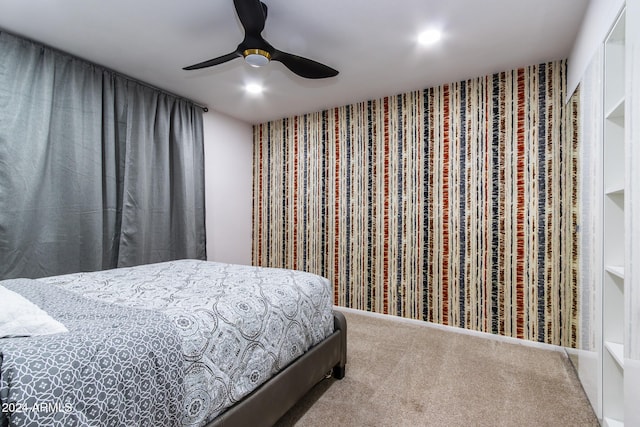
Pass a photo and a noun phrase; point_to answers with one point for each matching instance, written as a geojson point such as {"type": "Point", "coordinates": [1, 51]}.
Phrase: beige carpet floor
{"type": "Point", "coordinates": [401, 374]}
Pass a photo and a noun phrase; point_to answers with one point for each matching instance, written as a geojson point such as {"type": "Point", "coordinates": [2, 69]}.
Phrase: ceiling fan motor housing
{"type": "Point", "coordinates": [256, 57]}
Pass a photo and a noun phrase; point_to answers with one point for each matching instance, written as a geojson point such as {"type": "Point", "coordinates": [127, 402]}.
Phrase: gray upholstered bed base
{"type": "Point", "coordinates": [274, 398]}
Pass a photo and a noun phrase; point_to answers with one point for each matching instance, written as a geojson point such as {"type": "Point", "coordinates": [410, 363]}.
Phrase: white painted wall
{"type": "Point", "coordinates": [597, 22]}
{"type": "Point", "coordinates": [228, 157]}
{"type": "Point", "coordinates": [632, 289]}
{"type": "Point", "coordinates": [588, 356]}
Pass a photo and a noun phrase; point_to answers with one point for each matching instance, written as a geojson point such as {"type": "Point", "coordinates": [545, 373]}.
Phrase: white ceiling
{"type": "Point", "coordinates": [371, 42]}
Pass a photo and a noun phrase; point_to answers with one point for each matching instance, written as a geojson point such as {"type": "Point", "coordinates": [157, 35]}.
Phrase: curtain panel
{"type": "Point", "coordinates": [97, 171]}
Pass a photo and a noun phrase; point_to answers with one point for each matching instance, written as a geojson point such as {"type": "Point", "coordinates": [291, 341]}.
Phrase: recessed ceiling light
{"type": "Point", "coordinates": [429, 37]}
{"type": "Point", "coordinates": [254, 88]}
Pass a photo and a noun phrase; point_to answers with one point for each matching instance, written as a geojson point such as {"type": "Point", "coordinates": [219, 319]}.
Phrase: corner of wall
{"type": "Point", "coordinates": [228, 151]}
{"type": "Point", "coordinates": [595, 25]}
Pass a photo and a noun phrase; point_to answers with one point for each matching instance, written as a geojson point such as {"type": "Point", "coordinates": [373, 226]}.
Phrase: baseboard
{"type": "Point", "coordinates": [457, 330]}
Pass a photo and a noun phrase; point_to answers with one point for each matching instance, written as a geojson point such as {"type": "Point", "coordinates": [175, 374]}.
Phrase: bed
{"type": "Point", "coordinates": [179, 343]}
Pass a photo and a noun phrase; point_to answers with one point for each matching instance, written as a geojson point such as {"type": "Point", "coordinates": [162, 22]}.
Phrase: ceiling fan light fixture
{"type": "Point", "coordinates": [253, 15]}
{"type": "Point", "coordinates": [256, 57]}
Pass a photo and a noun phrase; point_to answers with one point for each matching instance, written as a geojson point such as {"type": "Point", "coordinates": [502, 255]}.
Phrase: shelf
{"type": "Point", "coordinates": [610, 422]}
{"type": "Point", "coordinates": [615, 191]}
{"type": "Point", "coordinates": [616, 113]}
{"type": "Point", "coordinates": [614, 57]}
{"type": "Point", "coordinates": [617, 351]}
{"type": "Point", "coordinates": [615, 236]}
{"type": "Point", "coordinates": [617, 34]}
{"type": "Point", "coordinates": [616, 270]}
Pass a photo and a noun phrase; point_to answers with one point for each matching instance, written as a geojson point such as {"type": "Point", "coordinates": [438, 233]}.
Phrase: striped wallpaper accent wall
{"type": "Point", "coordinates": [456, 204]}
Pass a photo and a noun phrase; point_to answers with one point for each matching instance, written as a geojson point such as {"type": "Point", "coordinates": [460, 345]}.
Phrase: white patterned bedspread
{"type": "Point", "coordinates": [239, 325]}
{"type": "Point", "coordinates": [116, 366]}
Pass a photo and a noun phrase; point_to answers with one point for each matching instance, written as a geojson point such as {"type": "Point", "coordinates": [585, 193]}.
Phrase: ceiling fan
{"type": "Point", "coordinates": [258, 52]}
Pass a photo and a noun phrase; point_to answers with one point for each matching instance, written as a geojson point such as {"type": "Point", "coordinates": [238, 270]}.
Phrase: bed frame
{"type": "Point", "coordinates": [269, 402]}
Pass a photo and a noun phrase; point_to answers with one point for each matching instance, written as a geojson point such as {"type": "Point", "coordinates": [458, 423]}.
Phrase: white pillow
{"type": "Point", "coordinates": [19, 317]}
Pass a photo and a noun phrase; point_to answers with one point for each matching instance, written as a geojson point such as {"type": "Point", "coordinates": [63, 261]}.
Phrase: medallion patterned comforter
{"type": "Point", "coordinates": [116, 365]}
{"type": "Point", "coordinates": [238, 325]}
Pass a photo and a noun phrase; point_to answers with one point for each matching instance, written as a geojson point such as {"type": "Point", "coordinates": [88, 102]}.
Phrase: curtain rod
{"type": "Point", "coordinates": [204, 108]}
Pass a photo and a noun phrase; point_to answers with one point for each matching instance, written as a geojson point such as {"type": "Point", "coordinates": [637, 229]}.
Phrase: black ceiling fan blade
{"type": "Point", "coordinates": [257, 51]}
{"type": "Point", "coordinates": [304, 67]}
{"type": "Point", "coordinates": [252, 14]}
{"type": "Point", "coordinates": [215, 61]}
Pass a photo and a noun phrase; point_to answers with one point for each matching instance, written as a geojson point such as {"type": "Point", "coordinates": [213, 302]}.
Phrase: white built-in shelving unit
{"type": "Point", "coordinates": [614, 233]}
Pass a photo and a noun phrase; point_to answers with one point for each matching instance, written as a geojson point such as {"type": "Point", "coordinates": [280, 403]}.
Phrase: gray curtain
{"type": "Point", "coordinates": [96, 171]}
